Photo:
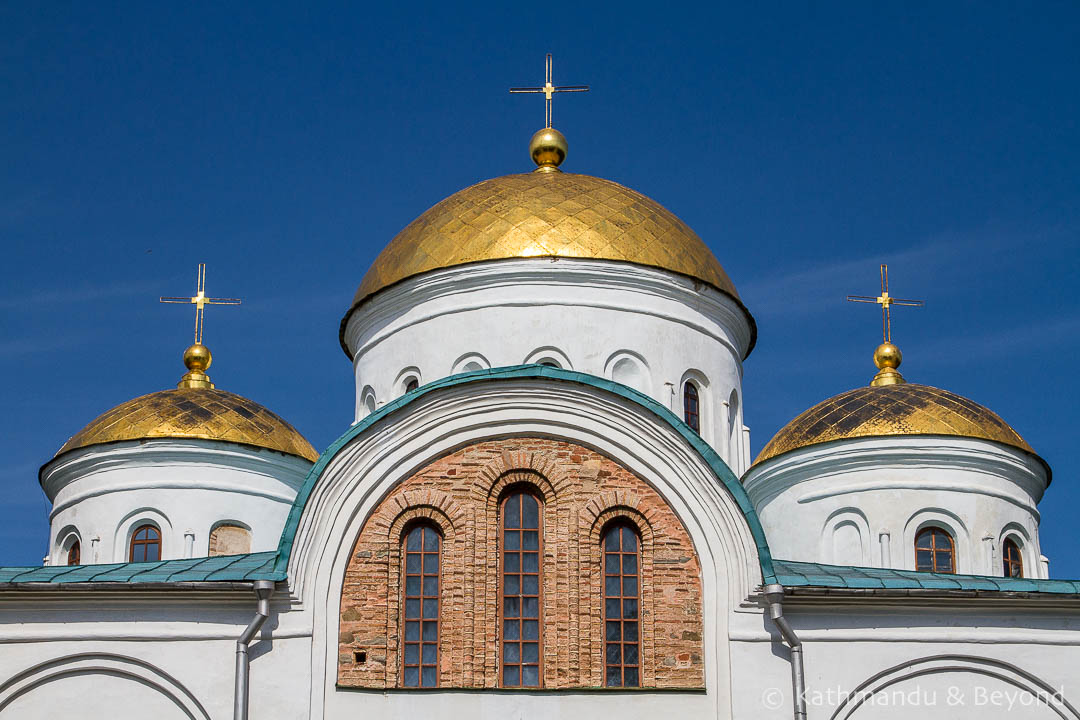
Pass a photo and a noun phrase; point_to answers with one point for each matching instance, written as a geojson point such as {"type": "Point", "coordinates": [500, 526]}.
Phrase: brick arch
{"type": "Point", "coordinates": [582, 490]}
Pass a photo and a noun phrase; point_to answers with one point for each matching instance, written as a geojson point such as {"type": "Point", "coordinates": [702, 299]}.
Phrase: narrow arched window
{"type": "Point", "coordinates": [934, 551]}
{"type": "Point", "coordinates": [74, 554]}
{"type": "Point", "coordinates": [520, 578]}
{"type": "Point", "coordinates": [691, 406]}
{"type": "Point", "coordinates": [411, 384]}
{"type": "Point", "coordinates": [1010, 558]}
{"type": "Point", "coordinates": [145, 544]}
{"type": "Point", "coordinates": [420, 646]}
{"type": "Point", "coordinates": [622, 610]}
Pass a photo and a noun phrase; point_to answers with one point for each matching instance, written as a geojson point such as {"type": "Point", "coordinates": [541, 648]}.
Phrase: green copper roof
{"type": "Point", "coordinates": [253, 566]}
{"type": "Point", "coordinates": [802, 574]}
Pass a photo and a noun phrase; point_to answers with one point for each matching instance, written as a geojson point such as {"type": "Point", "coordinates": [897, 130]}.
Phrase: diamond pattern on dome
{"type": "Point", "coordinates": [904, 409]}
{"type": "Point", "coordinates": [542, 214]}
{"type": "Point", "coordinates": [205, 413]}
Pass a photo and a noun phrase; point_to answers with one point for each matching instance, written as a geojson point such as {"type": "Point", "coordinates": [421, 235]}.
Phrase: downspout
{"type": "Point", "coordinates": [263, 590]}
{"type": "Point", "coordinates": [774, 595]}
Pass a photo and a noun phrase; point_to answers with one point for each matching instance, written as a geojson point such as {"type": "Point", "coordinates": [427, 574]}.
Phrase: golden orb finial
{"type": "Point", "coordinates": [887, 357]}
{"type": "Point", "coordinates": [548, 149]}
{"type": "Point", "coordinates": [197, 359]}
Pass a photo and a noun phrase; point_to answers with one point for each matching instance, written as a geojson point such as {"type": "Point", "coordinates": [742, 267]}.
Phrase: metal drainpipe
{"type": "Point", "coordinates": [263, 590]}
{"type": "Point", "coordinates": [774, 595]}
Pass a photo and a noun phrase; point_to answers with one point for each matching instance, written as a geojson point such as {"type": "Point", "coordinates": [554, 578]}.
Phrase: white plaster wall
{"type": "Point", "coordinates": [861, 502]}
{"type": "Point", "coordinates": [102, 493]}
{"type": "Point", "coordinates": [650, 328]}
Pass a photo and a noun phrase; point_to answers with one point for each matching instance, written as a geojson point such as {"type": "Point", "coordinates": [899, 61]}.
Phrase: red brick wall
{"type": "Point", "coordinates": [582, 491]}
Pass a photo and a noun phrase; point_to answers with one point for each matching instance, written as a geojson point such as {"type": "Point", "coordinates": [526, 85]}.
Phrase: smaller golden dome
{"type": "Point", "coordinates": [548, 149]}
{"type": "Point", "coordinates": [892, 410]}
{"type": "Point", "coordinates": [196, 409]}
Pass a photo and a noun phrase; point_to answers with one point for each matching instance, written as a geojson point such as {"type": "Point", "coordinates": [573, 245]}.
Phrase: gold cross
{"type": "Point", "coordinates": [200, 301]}
{"type": "Point", "coordinates": [548, 89]}
{"type": "Point", "coordinates": [886, 301]}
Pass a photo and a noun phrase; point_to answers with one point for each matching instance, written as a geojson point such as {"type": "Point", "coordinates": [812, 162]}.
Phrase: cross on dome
{"type": "Point", "coordinates": [549, 90]}
{"type": "Point", "coordinates": [197, 357]}
{"type": "Point", "coordinates": [887, 357]}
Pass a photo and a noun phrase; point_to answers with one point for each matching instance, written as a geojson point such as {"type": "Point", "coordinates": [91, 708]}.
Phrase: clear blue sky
{"type": "Point", "coordinates": [285, 146]}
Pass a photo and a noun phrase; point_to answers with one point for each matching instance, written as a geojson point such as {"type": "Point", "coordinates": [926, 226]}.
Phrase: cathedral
{"type": "Point", "coordinates": [546, 507]}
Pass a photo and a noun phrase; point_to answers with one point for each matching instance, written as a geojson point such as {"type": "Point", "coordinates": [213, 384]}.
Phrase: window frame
{"type": "Point", "coordinates": [1007, 562]}
{"type": "Point", "coordinates": [514, 492]}
{"type": "Point", "coordinates": [133, 541]}
{"type": "Point", "coordinates": [932, 531]}
{"type": "Point", "coordinates": [422, 525]}
{"type": "Point", "coordinates": [619, 525]}
{"type": "Point", "coordinates": [692, 392]}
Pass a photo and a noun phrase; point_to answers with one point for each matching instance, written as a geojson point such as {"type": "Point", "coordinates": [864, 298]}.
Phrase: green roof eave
{"type": "Point", "coordinates": [220, 568]}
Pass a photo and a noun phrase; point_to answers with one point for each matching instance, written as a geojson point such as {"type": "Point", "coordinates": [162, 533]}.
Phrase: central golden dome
{"type": "Point", "coordinates": [545, 214]}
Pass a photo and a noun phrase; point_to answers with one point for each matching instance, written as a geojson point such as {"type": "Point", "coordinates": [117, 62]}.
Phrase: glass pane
{"type": "Point", "coordinates": [611, 539]}
{"type": "Point", "coordinates": [412, 677]}
{"type": "Point", "coordinates": [512, 584]}
{"type": "Point", "coordinates": [923, 540]}
{"type": "Point", "coordinates": [510, 607]}
{"type": "Point", "coordinates": [924, 560]}
{"type": "Point", "coordinates": [630, 677]}
{"type": "Point", "coordinates": [512, 562]}
{"type": "Point", "coordinates": [412, 630]}
{"type": "Point", "coordinates": [513, 540]}
{"type": "Point", "coordinates": [612, 654]}
{"type": "Point", "coordinates": [531, 629]}
{"type": "Point", "coordinates": [629, 564]}
{"type": "Point", "coordinates": [153, 552]}
{"type": "Point", "coordinates": [412, 608]}
{"type": "Point", "coordinates": [532, 540]}
{"type": "Point", "coordinates": [531, 562]}
{"type": "Point", "coordinates": [530, 512]}
{"type": "Point", "coordinates": [412, 563]}
{"type": "Point", "coordinates": [630, 631]}
{"type": "Point", "coordinates": [431, 539]}
{"type": "Point", "coordinates": [510, 629]}
{"type": "Point", "coordinates": [530, 607]}
{"type": "Point", "coordinates": [431, 609]}
{"type": "Point", "coordinates": [629, 609]}
{"type": "Point", "coordinates": [944, 561]}
{"type": "Point", "coordinates": [430, 679]}
{"type": "Point", "coordinates": [412, 653]}
{"type": "Point", "coordinates": [611, 564]}
{"type": "Point", "coordinates": [511, 676]}
{"type": "Point", "coordinates": [429, 653]}
{"type": "Point", "coordinates": [431, 564]}
{"type": "Point", "coordinates": [140, 534]}
{"type": "Point", "coordinates": [630, 654]}
{"type": "Point", "coordinates": [431, 630]}
{"type": "Point", "coordinates": [614, 630]}
{"type": "Point", "coordinates": [611, 609]}
{"type": "Point", "coordinates": [412, 585]}
{"type": "Point", "coordinates": [611, 585]}
{"type": "Point", "coordinates": [513, 512]}
{"type": "Point", "coordinates": [530, 676]}
{"type": "Point", "coordinates": [629, 587]}
{"type": "Point", "coordinates": [431, 585]}
{"type": "Point", "coordinates": [530, 585]}
{"type": "Point", "coordinates": [530, 652]}
{"type": "Point", "coordinates": [512, 653]}
{"type": "Point", "coordinates": [412, 541]}
{"type": "Point", "coordinates": [613, 677]}
{"type": "Point", "coordinates": [629, 540]}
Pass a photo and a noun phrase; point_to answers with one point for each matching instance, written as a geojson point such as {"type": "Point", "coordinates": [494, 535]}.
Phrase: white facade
{"type": "Point", "coordinates": [647, 328]}
{"type": "Point", "coordinates": [183, 487]}
{"type": "Point", "coordinates": [862, 501]}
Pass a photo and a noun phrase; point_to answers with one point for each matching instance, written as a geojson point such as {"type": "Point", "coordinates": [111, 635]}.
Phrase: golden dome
{"type": "Point", "coordinates": [888, 410]}
{"type": "Point", "coordinates": [544, 214]}
{"type": "Point", "coordinates": [204, 413]}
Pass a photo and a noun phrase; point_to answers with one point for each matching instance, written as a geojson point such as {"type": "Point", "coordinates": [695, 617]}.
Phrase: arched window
{"type": "Point", "coordinates": [622, 662]}
{"type": "Point", "coordinates": [411, 384]}
{"type": "Point", "coordinates": [420, 646]}
{"type": "Point", "coordinates": [229, 539]}
{"type": "Point", "coordinates": [520, 589]}
{"type": "Point", "coordinates": [1010, 558]}
{"type": "Point", "coordinates": [934, 551]}
{"type": "Point", "coordinates": [74, 554]}
{"type": "Point", "coordinates": [691, 406]}
{"type": "Point", "coordinates": [145, 544]}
